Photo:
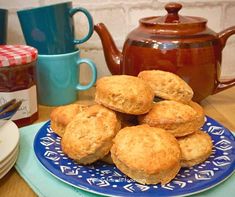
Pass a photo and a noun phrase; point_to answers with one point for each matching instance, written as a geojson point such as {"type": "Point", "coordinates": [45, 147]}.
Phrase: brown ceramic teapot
{"type": "Point", "coordinates": [180, 44]}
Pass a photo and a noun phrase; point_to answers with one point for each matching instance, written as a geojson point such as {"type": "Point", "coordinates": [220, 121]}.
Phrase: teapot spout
{"type": "Point", "coordinates": [112, 55]}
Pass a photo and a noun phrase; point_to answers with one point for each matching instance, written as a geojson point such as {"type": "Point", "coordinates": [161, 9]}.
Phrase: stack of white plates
{"type": "Point", "coordinates": [9, 146]}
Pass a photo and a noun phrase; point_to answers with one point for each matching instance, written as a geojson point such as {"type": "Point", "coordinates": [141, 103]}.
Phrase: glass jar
{"type": "Point", "coordinates": [18, 80]}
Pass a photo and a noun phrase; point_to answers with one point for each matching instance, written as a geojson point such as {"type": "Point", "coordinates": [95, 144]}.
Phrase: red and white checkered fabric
{"type": "Point", "coordinates": [12, 55]}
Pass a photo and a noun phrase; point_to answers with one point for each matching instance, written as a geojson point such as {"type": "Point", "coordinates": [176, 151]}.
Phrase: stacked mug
{"type": "Point", "coordinates": [50, 29]}
{"type": "Point", "coordinates": [3, 25]}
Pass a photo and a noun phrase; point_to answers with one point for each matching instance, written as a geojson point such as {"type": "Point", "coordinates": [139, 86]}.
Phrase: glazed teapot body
{"type": "Point", "coordinates": [196, 61]}
{"type": "Point", "coordinates": [182, 45]}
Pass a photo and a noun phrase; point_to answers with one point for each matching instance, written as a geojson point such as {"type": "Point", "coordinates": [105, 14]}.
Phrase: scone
{"type": "Point", "coordinates": [195, 148]}
{"type": "Point", "coordinates": [123, 93]}
{"type": "Point", "coordinates": [200, 113]}
{"type": "Point", "coordinates": [177, 118]}
{"type": "Point", "coordinates": [146, 154]}
{"type": "Point", "coordinates": [62, 115]}
{"type": "Point", "coordinates": [167, 85]}
{"type": "Point", "coordinates": [88, 137]}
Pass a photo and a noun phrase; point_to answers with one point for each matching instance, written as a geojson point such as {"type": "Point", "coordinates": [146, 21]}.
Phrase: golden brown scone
{"type": "Point", "coordinates": [167, 85]}
{"type": "Point", "coordinates": [126, 120]}
{"type": "Point", "coordinates": [200, 113]}
{"type": "Point", "coordinates": [177, 118]}
{"type": "Point", "coordinates": [146, 154]}
{"type": "Point", "coordinates": [195, 148]}
{"type": "Point", "coordinates": [88, 137]}
{"type": "Point", "coordinates": [124, 93]}
{"type": "Point", "coordinates": [62, 115]}
{"type": "Point", "coordinates": [107, 158]}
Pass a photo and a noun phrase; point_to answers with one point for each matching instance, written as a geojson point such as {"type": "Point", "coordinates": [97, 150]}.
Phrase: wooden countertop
{"type": "Point", "coordinates": [220, 107]}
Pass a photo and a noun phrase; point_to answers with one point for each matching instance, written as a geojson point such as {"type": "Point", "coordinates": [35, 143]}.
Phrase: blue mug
{"type": "Point", "coordinates": [3, 25]}
{"type": "Point", "coordinates": [58, 78]}
{"type": "Point", "coordinates": [50, 28]}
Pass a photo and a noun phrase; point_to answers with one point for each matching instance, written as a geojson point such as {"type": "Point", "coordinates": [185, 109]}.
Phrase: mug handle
{"type": "Point", "coordinates": [223, 37]}
{"type": "Point", "coordinates": [92, 66]}
{"type": "Point", "coordinates": [72, 11]}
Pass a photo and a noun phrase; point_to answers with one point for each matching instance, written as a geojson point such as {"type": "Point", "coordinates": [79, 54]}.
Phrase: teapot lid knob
{"type": "Point", "coordinates": [173, 16]}
{"type": "Point", "coordinates": [173, 8]}
{"type": "Point", "coordinates": [173, 22]}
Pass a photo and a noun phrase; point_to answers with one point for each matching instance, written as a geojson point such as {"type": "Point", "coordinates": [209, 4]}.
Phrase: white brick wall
{"type": "Point", "coordinates": [121, 16]}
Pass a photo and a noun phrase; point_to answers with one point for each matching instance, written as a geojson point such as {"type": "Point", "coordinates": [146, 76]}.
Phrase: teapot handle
{"type": "Point", "coordinates": [223, 37]}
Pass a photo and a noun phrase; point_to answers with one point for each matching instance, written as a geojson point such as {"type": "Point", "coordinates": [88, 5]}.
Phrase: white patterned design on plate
{"type": "Point", "coordinates": [47, 141]}
{"type": "Point", "coordinates": [223, 145]}
{"type": "Point", "coordinates": [132, 187]}
{"type": "Point", "coordinates": [106, 171]}
{"type": "Point", "coordinates": [215, 130]}
{"type": "Point", "coordinates": [204, 175]}
{"type": "Point", "coordinates": [116, 174]}
{"type": "Point", "coordinates": [221, 161]}
{"type": "Point", "coordinates": [54, 156]}
{"type": "Point", "coordinates": [69, 171]}
{"type": "Point", "coordinates": [168, 186]}
{"type": "Point", "coordinates": [142, 187]}
{"type": "Point", "coordinates": [98, 182]}
{"type": "Point", "coordinates": [49, 130]}
{"type": "Point", "coordinates": [181, 184]}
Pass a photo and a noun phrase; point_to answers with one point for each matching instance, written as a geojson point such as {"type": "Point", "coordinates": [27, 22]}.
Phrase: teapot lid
{"type": "Point", "coordinates": [175, 23]}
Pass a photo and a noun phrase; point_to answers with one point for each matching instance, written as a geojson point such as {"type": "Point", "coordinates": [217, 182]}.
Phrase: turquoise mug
{"type": "Point", "coordinates": [3, 25]}
{"type": "Point", "coordinates": [58, 78]}
{"type": "Point", "coordinates": [50, 28]}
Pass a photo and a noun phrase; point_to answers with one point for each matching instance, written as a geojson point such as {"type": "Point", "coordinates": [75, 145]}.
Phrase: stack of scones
{"type": "Point", "coordinates": [148, 126]}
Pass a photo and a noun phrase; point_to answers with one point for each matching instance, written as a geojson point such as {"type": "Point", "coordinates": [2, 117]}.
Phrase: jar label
{"type": "Point", "coordinates": [29, 101]}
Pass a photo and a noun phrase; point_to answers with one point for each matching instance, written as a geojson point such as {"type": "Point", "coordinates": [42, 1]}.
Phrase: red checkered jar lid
{"type": "Point", "coordinates": [13, 55]}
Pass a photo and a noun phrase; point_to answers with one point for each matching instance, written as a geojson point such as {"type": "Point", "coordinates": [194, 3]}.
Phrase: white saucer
{"type": "Point", "coordinates": [9, 158]}
{"type": "Point", "coordinates": [9, 139]}
{"type": "Point", "coordinates": [5, 169]}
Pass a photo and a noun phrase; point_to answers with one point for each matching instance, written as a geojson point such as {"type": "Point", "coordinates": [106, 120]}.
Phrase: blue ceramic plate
{"type": "Point", "coordinates": [105, 179]}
